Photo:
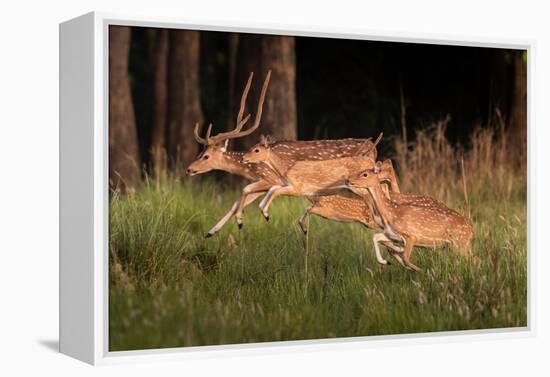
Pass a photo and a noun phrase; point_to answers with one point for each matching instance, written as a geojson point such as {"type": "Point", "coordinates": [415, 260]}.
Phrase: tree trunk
{"type": "Point", "coordinates": [124, 164]}
{"type": "Point", "coordinates": [499, 85]}
{"type": "Point", "coordinates": [518, 111]}
{"type": "Point", "coordinates": [159, 62]}
{"type": "Point", "coordinates": [259, 54]}
{"type": "Point", "coordinates": [232, 84]}
{"type": "Point", "coordinates": [184, 109]}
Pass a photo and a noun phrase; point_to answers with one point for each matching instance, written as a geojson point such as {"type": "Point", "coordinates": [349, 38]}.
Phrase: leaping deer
{"type": "Point", "coordinates": [310, 178]}
{"type": "Point", "coordinates": [420, 222]}
{"type": "Point", "coordinates": [318, 181]}
{"type": "Point", "coordinates": [216, 156]}
{"type": "Point", "coordinates": [354, 209]}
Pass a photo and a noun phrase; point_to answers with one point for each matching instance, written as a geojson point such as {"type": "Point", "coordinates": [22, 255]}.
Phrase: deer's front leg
{"type": "Point", "coordinates": [223, 220]}
{"type": "Point", "coordinates": [273, 192]}
{"type": "Point", "coordinates": [379, 237]}
{"type": "Point", "coordinates": [249, 199]}
{"type": "Point", "coordinates": [394, 251]}
{"type": "Point", "coordinates": [249, 194]}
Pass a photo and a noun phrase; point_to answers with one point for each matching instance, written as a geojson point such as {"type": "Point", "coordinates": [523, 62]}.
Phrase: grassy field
{"type": "Point", "coordinates": [170, 287]}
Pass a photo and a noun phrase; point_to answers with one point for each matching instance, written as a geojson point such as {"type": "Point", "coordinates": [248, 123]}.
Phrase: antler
{"type": "Point", "coordinates": [235, 133]}
{"type": "Point", "coordinates": [378, 139]}
{"type": "Point", "coordinates": [368, 146]}
{"type": "Point", "coordinates": [243, 99]}
{"type": "Point", "coordinates": [199, 139]}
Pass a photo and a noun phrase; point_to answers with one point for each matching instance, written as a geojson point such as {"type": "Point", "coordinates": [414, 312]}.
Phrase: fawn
{"type": "Point", "coordinates": [309, 178]}
{"type": "Point", "coordinates": [421, 221]}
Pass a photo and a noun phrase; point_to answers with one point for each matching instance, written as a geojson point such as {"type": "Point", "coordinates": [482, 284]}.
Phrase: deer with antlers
{"type": "Point", "coordinates": [420, 221]}
{"type": "Point", "coordinates": [216, 156]}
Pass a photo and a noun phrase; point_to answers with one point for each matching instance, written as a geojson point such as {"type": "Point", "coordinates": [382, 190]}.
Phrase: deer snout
{"type": "Point", "coordinates": [190, 171]}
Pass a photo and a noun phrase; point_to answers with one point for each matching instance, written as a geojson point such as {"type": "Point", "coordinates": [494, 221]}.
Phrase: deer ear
{"type": "Point", "coordinates": [387, 164]}
{"type": "Point", "coordinates": [270, 140]}
{"type": "Point", "coordinates": [225, 144]}
{"type": "Point", "coordinates": [263, 140]}
{"type": "Point", "coordinates": [377, 167]}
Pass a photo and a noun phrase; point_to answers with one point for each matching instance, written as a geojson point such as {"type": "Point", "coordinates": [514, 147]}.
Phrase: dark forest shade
{"type": "Point", "coordinates": [259, 54]}
{"type": "Point", "coordinates": [518, 111]}
{"type": "Point", "coordinates": [184, 108]}
{"type": "Point", "coordinates": [158, 39]}
{"type": "Point", "coordinates": [322, 88]}
{"type": "Point", "coordinates": [123, 148]}
{"type": "Point", "coordinates": [352, 88]}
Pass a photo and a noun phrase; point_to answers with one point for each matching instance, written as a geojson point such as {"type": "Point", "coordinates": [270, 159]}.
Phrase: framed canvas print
{"type": "Point", "coordinates": [228, 189]}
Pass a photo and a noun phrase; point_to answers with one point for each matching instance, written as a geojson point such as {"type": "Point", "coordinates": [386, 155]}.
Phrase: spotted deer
{"type": "Point", "coordinates": [319, 179]}
{"type": "Point", "coordinates": [422, 221]}
{"type": "Point", "coordinates": [351, 209]}
{"type": "Point", "coordinates": [216, 156]}
{"type": "Point", "coordinates": [309, 178]}
{"type": "Point", "coordinates": [386, 174]}
{"type": "Point", "coordinates": [360, 210]}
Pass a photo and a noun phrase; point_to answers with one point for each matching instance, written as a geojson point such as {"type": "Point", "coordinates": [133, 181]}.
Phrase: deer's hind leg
{"type": "Point", "coordinates": [304, 219]}
{"type": "Point", "coordinates": [273, 192]}
{"type": "Point", "coordinates": [409, 245]}
{"type": "Point", "coordinates": [326, 212]}
{"type": "Point", "coordinates": [466, 249]}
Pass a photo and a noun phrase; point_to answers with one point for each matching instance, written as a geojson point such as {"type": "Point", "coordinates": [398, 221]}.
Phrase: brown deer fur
{"type": "Point", "coordinates": [308, 177]}
{"type": "Point", "coordinates": [422, 221]}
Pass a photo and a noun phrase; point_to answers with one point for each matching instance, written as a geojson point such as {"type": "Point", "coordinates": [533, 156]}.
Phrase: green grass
{"type": "Point", "coordinates": [171, 287]}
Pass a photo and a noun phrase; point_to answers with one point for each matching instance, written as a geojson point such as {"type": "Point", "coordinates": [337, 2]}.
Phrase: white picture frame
{"type": "Point", "coordinates": [84, 191]}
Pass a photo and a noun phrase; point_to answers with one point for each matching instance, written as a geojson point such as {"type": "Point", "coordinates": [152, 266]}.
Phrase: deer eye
{"type": "Point", "coordinates": [205, 157]}
{"type": "Point", "coordinates": [256, 150]}
{"type": "Point", "coordinates": [365, 175]}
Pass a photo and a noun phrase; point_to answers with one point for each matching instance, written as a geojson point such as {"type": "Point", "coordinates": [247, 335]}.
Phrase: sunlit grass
{"type": "Point", "coordinates": [170, 287]}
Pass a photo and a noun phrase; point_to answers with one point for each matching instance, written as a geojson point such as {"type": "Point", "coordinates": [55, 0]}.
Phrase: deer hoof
{"type": "Point", "coordinates": [208, 235]}
{"type": "Point", "coordinates": [413, 268]}
{"type": "Point", "coordinates": [240, 225]}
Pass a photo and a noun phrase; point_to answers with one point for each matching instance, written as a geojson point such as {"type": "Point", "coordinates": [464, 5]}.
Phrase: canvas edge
{"type": "Point", "coordinates": [100, 342]}
{"type": "Point", "coordinates": [76, 190]}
